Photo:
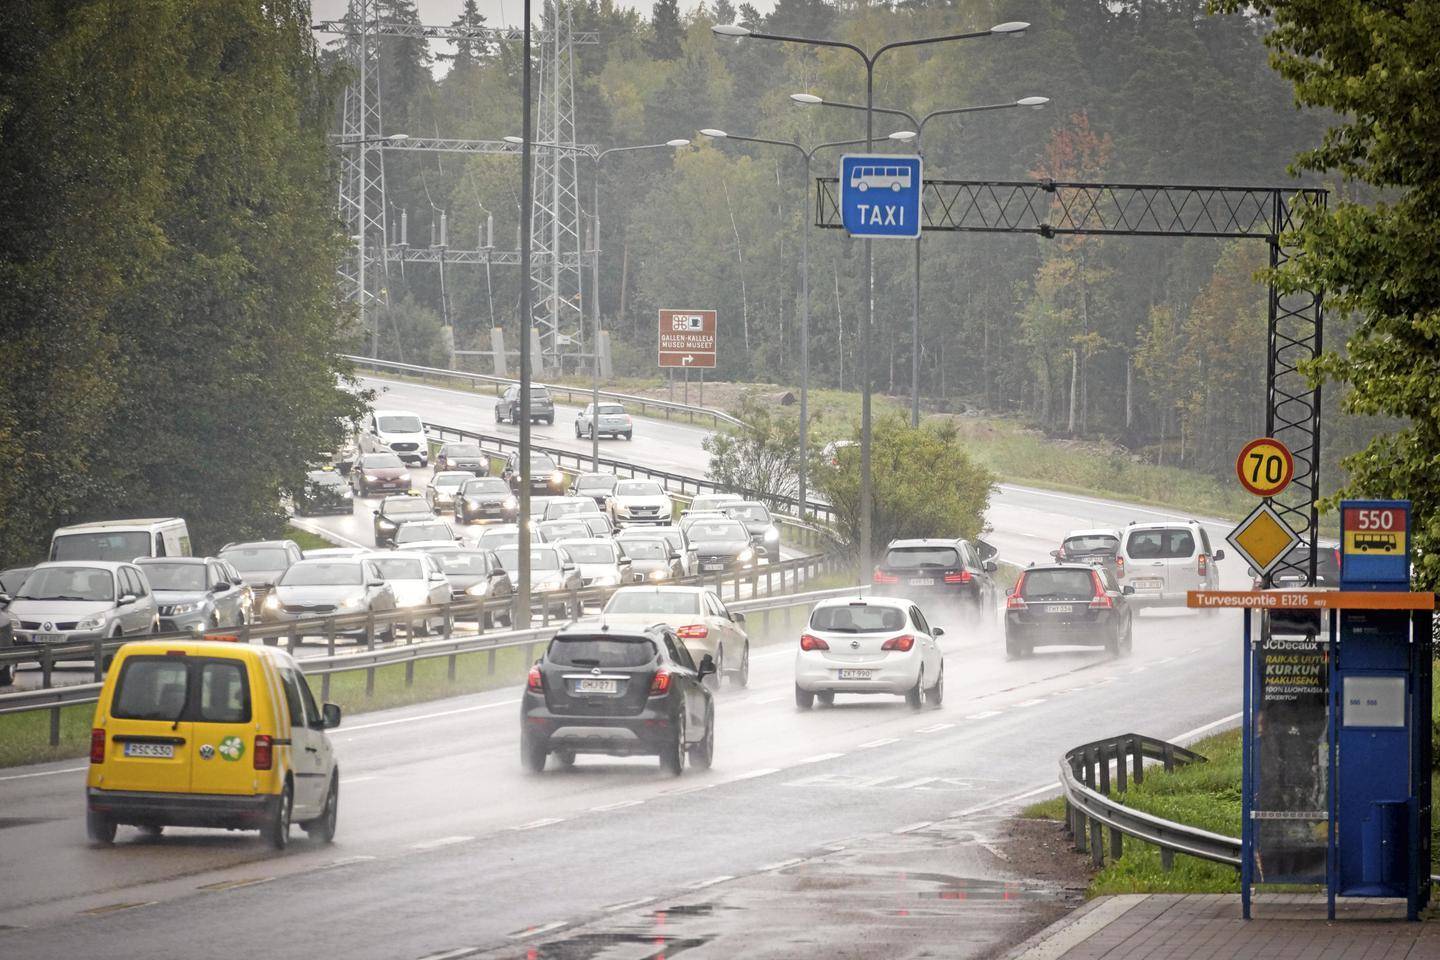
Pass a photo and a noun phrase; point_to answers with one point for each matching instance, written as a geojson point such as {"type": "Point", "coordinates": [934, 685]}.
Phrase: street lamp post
{"type": "Point", "coordinates": [905, 136]}
{"type": "Point", "coordinates": [522, 553]}
{"type": "Point", "coordinates": [808, 155]}
{"type": "Point", "coordinates": [869, 59]}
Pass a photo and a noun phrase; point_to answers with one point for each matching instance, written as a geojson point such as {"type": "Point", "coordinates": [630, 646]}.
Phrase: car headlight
{"type": "Point", "coordinates": [352, 601]}
{"type": "Point", "coordinates": [746, 555]}
{"type": "Point", "coordinates": [511, 503]}
{"type": "Point", "coordinates": [403, 476]}
{"type": "Point", "coordinates": [557, 477]}
{"type": "Point", "coordinates": [372, 479]}
{"type": "Point", "coordinates": [272, 602]}
{"type": "Point", "coordinates": [659, 574]}
{"type": "Point", "coordinates": [771, 535]}
{"type": "Point", "coordinates": [91, 623]}
{"type": "Point", "coordinates": [384, 524]}
{"type": "Point", "coordinates": [478, 589]}
{"type": "Point", "coordinates": [605, 580]}
{"type": "Point", "coordinates": [180, 608]}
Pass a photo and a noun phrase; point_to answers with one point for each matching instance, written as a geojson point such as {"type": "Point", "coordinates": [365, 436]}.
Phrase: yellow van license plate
{"type": "Point", "coordinates": [164, 751]}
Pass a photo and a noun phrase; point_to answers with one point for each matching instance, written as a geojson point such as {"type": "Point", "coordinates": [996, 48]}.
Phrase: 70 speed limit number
{"type": "Point", "coordinates": [1265, 466]}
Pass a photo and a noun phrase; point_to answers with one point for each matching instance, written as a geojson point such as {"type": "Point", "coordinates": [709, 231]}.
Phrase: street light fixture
{"type": "Point", "coordinates": [869, 60]}
{"type": "Point", "coordinates": [906, 136]}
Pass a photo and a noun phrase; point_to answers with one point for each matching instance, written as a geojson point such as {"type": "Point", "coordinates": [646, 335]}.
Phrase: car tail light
{"type": "Point", "coordinates": [1202, 563]}
{"type": "Point", "coordinates": [695, 631]}
{"type": "Point", "coordinates": [962, 577]}
{"type": "Point", "coordinates": [264, 752]}
{"type": "Point", "coordinates": [1119, 566]}
{"type": "Point", "coordinates": [882, 577]}
{"type": "Point", "coordinates": [811, 642]}
{"type": "Point", "coordinates": [97, 745]}
{"type": "Point", "coordinates": [1101, 600]}
{"type": "Point", "coordinates": [1013, 601]}
{"type": "Point", "coordinates": [534, 682]}
{"type": "Point", "coordinates": [902, 643]}
{"type": "Point", "coordinates": [660, 683]}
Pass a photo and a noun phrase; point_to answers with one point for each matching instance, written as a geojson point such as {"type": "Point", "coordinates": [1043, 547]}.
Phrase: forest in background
{"type": "Point", "coordinates": [1156, 343]}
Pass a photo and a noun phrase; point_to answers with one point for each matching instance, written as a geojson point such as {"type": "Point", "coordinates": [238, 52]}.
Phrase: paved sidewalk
{"type": "Point", "coordinates": [1206, 926]}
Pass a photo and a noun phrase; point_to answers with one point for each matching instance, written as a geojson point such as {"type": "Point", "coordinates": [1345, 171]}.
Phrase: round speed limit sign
{"type": "Point", "coordinates": [1265, 467]}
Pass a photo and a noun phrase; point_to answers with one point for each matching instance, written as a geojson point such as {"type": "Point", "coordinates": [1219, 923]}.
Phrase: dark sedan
{"type": "Point", "coordinates": [486, 498]}
{"type": "Point", "coordinates": [764, 533]}
{"type": "Point", "coordinates": [940, 572]}
{"type": "Point", "coordinates": [544, 476]}
{"type": "Point", "coordinates": [720, 546]}
{"type": "Point", "coordinates": [474, 575]}
{"type": "Point", "coordinates": [325, 492]}
{"type": "Point", "coordinates": [1065, 604]}
{"type": "Point", "coordinates": [597, 486]}
{"type": "Point", "coordinates": [394, 511]}
{"type": "Point", "coordinates": [619, 692]}
{"type": "Point", "coordinates": [463, 456]}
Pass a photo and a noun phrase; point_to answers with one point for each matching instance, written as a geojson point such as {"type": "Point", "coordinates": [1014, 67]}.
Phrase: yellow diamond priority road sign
{"type": "Point", "coordinates": [1263, 538]}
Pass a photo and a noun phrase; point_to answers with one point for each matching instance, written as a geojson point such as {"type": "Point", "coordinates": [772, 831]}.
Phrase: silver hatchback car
{"type": "Point", "coordinates": [68, 601]}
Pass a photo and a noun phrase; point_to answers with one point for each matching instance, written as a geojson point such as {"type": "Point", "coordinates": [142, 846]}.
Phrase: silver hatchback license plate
{"type": "Point", "coordinates": [853, 674]}
{"type": "Point", "coordinates": [163, 751]}
{"type": "Point", "coordinates": [595, 686]}
{"type": "Point", "coordinates": [49, 637]}
{"type": "Point", "coordinates": [712, 566]}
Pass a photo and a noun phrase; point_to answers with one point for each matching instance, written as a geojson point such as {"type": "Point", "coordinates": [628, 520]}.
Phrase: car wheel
{"type": "Point", "coordinates": [592, 433]}
{"type": "Point", "coordinates": [672, 755]}
{"type": "Point", "coordinates": [804, 699]}
{"type": "Point", "coordinates": [935, 696]}
{"type": "Point", "coordinates": [7, 675]}
{"type": "Point", "coordinates": [713, 680]}
{"type": "Point", "coordinates": [914, 696]}
{"type": "Point", "coordinates": [276, 831]}
{"type": "Point", "coordinates": [566, 757]}
{"type": "Point", "coordinates": [99, 828]}
{"type": "Point", "coordinates": [1015, 650]}
{"type": "Point", "coordinates": [703, 753]}
{"type": "Point", "coordinates": [322, 828]}
{"type": "Point", "coordinates": [215, 620]}
{"type": "Point", "coordinates": [532, 754]}
{"type": "Point", "coordinates": [1113, 642]}
{"type": "Point", "coordinates": [550, 420]}
{"type": "Point", "coordinates": [826, 698]}
{"type": "Point", "coordinates": [629, 436]}
{"type": "Point", "coordinates": [577, 431]}
{"type": "Point", "coordinates": [1129, 643]}
{"type": "Point", "coordinates": [741, 678]}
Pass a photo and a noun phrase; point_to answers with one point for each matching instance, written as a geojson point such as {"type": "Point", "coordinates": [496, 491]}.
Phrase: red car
{"type": "Point", "coordinates": [375, 472]}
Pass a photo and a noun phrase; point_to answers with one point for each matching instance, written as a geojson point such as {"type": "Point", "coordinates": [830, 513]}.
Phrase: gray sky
{"type": "Point", "coordinates": [497, 12]}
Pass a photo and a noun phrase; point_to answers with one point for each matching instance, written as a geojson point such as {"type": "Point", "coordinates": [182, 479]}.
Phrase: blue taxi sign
{"type": "Point", "coordinates": [880, 195]}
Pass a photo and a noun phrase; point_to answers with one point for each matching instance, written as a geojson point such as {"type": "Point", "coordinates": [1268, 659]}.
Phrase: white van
{"type": "Point", "coordinates": [121, 540]}
{"type": "Point", "coordinates": [1163, 561]}
{"type": "Point", "coordinates": [399, 432]}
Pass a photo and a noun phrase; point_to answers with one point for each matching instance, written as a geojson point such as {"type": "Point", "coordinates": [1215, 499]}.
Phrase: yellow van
{"type": "Point", "coordinates": [210, 734]}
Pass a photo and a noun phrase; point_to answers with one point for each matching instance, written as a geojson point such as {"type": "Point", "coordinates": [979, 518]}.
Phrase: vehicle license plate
{"type": "Point", "coordinates": [922, 582]}
{"type": "Point", "coordinates": [712, 566]}
{"type": "Point", "coordinates": [856, 674]}
{"type": "Point", "coordinates": [1060, 608]}
{"type": "Point", "coordinates": [1147, 583]}
{"type": "Point", "coordinates": [49, 637]}
{"type": "Point", "coordinates": [595, 686]}
{"type": "Point", "coordinates": [165, 751]}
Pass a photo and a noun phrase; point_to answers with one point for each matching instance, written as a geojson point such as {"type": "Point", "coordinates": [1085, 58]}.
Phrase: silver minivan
{"type": "Point", "coordinates": [1164, 561]}
{"type": "Point", "coordinates": [65, 602]}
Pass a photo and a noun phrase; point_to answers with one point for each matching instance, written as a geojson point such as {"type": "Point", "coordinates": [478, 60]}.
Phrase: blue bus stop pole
{"type": "Point", "coordinates": [1247, 763]}
{"type": "Point", "coordinates": [1332, 731]}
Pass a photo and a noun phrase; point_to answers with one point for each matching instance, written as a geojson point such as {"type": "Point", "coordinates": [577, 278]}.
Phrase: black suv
{"type": "Point", "coordinates": [619, 692]}
{"type": "Point", "coordinates": [1068, 604]}
{"type": "Point", "coordinates": [544, 475]}
{"type": "Point", "coordinates": [542, 405]}
{"type": "Point", "coordinates": [955, 572]}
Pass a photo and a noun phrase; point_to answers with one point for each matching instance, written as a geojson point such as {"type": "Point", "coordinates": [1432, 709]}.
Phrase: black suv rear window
{"type": "Point", "coordinates": [600, 652]}
{"type": "Point", "coordinates": [159, 688]}
{"type": "Point", "coordinates": [1170, 544]}
{"type": "Point", "coordinates": [913, 558]}
{"type": "Point", "coordinates": [1056, 584]}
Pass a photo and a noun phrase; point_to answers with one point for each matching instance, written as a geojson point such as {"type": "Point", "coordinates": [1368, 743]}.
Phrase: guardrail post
{"type": "Point", "coordinates": [1117, 844]}
{"type": "Point", "coordinates": [450, 668]}
{"type": "Point", "coordinates": [1121, 749]}
{"type": "Point", "coordinates": [370, 630]}
{"type": "Point", "coordinates": [1137, 770]}
{"type": "Point", "coordinates": [1097, 844]}
{"type": "Point", "coordinates": [1104, 754]}
{"type": "Point", "coordinates": [369, 682]}
{"type": "Point", "coordinates": [1169, 754]}
{"type": "Point", "coordinates": [55, 726]}
{"type": "Point", "coordinates": [294, 639]}
{"type": "Point", "coordinates": [1167, 860]}
{"type": "Point", "coordinates": [47, 664]}
{"type": "Point", "coordinates": [99, 659]}
{"type": "Point", "coordinates": [1079, 831]}
{"type": "Point", "coordinates": [1068, 826]}
{"type": "Point", "coordinates": [409, 673]}
{"type": "Point", "coordinates": [490, 663]}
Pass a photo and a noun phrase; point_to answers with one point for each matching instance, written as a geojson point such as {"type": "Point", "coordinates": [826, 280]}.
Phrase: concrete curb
{"type": "Point", "coordinates": [1070, 931]}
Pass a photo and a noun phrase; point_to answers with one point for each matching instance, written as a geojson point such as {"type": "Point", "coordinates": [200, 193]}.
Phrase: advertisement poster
{"type": "Point", "coordinates": [1291, 753]}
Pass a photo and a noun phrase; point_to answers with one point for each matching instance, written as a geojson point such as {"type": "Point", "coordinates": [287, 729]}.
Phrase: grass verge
{"type": "Point", "coordinates": [307, 540]}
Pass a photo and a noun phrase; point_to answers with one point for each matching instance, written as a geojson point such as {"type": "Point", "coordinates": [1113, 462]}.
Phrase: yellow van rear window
{"type": "Point", "coordinates": [182, 689]}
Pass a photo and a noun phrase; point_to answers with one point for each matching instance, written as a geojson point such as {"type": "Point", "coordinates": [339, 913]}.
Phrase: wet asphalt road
{"type": "Point", "coordinates": [445, 845]}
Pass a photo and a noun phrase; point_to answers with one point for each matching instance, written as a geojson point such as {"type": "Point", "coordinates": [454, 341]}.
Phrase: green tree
{"type": "Point", "coordinates": [1374, 66]}
{"type": "Point", "coordinates": [760, 458]}
{"type": "Point", "coordinates": [924, 484]}
{"type": "Point", "coordinates": [668, 32]}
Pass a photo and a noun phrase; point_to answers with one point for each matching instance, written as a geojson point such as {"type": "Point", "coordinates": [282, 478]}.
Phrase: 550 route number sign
{"type": "Point", "coordinates": [687, 339]}
{"type": "Point", "coordinates": [1265, 467]}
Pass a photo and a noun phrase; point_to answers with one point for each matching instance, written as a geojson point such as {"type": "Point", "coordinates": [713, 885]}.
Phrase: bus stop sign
{"type": "Point", "coordinates": [1374, 544]}
{"type": "Point", "coordinates": [880, 195]}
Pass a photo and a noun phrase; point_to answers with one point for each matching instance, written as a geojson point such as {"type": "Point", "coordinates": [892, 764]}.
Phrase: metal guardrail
{"type": "Point", "coordinates": [54, 699]}
{"type": "Point", "coordinates": [669, 408]}
{"type": "Point", "coordinates": [1085, 778]}
{"type": "Point", "coordinates": [672, 482]}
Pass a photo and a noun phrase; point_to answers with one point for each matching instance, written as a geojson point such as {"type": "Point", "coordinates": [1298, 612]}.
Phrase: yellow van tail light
{"type": "Point", "coordinates": [264, 752]}
{"type": "Point", "coordinates": [97, 745]}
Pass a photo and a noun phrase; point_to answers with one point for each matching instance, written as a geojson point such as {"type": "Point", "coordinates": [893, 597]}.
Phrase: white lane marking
{"type": "Point", "coordinates": [1206, 728]}
{"type": "Point", "coordinates": [44, 773]}
{"type": "Point", "coordinates": [427, 716]}
{"type": "Point", "coordinates": [783, 696]}
{"type": "Point", "coordinates": [536, 824]}
{"type": "Point", "coordinates": [617, 805]}
{"type": "Point", "coordinates": [983, 715]}
{"type": "Point", "coordinates": [536, 931]}
{"type": "Point", "coordinates": [440, 842]}
{"type": "Point", "coordinates": [687, 790]}
{"type": "Point", "coordinates": [628, 904]}
{"type": "Point", "coordinates": [1163, 660]}
{"type": "Point", "coordinates": [882, 742]}
{"type": "Point", "coordinates": [346, 781]}
{"type": "Point", "coordinates": [911, 828]}
{"type": "Point", "coordinates": [1031, 703]}
{"type": "Point", "coordinates": [820, 758]}
{"type": "Point", "coordinates": [781, 865]}
{"type": "Point", "coordinates": [342, 862]}
{"type": "Point", "coordinates": [911, 784]}
{"type": "Point", "coordinates": [702, 884]}
{"type": "Point", "coordinates": [762, 772]}
{"type": "Point", "coordinates": [326, 533]}
{"type": "Point", "coordinates": [934, 728]}
{"type": "Point", "coordinates": [1089, 923]}
{"type": "Point", "coordinates": [450, 954]}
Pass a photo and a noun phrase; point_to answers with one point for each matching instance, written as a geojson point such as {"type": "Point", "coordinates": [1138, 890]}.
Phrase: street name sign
{"type": "Point", "coordinates": [880, 195]}
{"type": "Point", "coordinates": [1308, 600]}
{"type": "Point", "coordinates": [687, 339]}
{"type": "Point", "coordinates": [1263, 538]}
{"type": "Point", "coordinates": [1265, 467]}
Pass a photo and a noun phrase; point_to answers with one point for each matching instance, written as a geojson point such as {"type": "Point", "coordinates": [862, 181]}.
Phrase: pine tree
{"type": "Point", "coordinates": [667, 30]}
{"type": "Point", "coordinates": [469, 51]}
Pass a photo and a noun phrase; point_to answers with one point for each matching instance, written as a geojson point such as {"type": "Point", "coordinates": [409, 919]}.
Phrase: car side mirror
{"type": "Point", "coordinates": [437, 575]}
{"type": "Point", "coordinates": [375, 513]}
{"type": "Point", "coordinates": [127, 598]}
{"type": "Point", "coordinates": [330, 715]}
{"type": "Point", "coordinates": [707, 666]}
{"type": "Point", "coordinates": [1055, 554]}
{"type": "Point", "coordinates": [738, 618]}
{"type": "Point", "coordinates": [1127, 590]}
{"type": "Point", "coordinates": [5, 599]}
{"type": "Point", "coordinates": [991, 566]}
{"type": "Point", "coordinates": [1219, 555]}
{"type": "Point", "coordinates": [220, 587]}
{"type": "Point", "coordinates": [938, 632]}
